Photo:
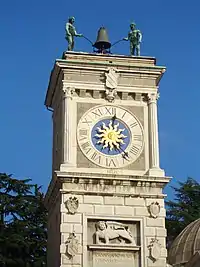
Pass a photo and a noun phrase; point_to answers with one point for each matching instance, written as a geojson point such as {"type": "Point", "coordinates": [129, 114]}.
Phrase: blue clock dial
{"type": "Point", "coordinates": [110, 136]}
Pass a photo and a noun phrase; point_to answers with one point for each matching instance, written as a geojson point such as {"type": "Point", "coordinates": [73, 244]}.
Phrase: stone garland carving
{"type": "Point", "coordinates": [154, 249]}
{"type": "Point", "coordinates": [68, 91]}
{"type": "Point", "coordinates": [154, 209]}
{"type": "Point", "coordinates": [72, 245]}
{"type": "Point", "coordinates": [108, 230]}
{"type": "Point", "coordinates": [111, 83]}
{"type": "Point", "coordinates": [72, 205]}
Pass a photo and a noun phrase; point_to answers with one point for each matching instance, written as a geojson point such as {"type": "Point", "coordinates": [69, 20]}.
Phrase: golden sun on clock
{"type": "Point", "coordinates": [110, 136]}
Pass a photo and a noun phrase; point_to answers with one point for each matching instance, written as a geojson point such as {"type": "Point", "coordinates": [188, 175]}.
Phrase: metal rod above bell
{"type": "Point", "coordinates": [102, 42]}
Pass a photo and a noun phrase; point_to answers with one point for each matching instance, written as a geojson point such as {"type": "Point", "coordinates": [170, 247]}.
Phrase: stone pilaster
{"type": "Point", "coordinates": [67, 124]}
{"type": "Point", "coordinates": [154, 164]}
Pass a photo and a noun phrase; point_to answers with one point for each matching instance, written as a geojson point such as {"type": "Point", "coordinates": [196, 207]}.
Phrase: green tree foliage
{"type": "Point", "coordinates": [184, 210]}
{"type": "Point", "coordinates": [23, 218]}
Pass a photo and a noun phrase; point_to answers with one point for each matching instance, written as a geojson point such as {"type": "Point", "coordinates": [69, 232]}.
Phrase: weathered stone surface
{"type": "Point", "coordinates": [119, 197]}
{"type": "Point", "coordinates": [86, 209]}
{"type": "Point", "coordinates": [141, 211]}
{"type": "Point", "coordinates": [158, 263]}
{"type": "Point", "coordinates": [75, 218]}
{"type": "Point", "coordinates": [113, 200]}
{"type": "Point", "coordinates": [110, 259]}
{"type": "Point", "coordinates": [149, 231]}
{"type": "Point", "coordinates": [122, 210]}
{"type": "Point", "coordinates": [69, 227]}
{"type": "Point", "coordinates": [103, 210]}
{"type": "Point", "coordinates": [158, 222]}
{"type": "Point", "coordinates": [134, 201]}
{"type": "Point", "coordinates": [93, 199]}
{"type": "Point", "coordinates": [161, 232]}
{"type": "Point", "coordinates": [77, 259]}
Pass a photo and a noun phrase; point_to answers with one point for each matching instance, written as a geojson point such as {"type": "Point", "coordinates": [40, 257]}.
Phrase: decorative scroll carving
{"type": "Point", "coordinates": [68, 91]}
{"type": "Point", "coordinates": [154, 209]}
{"type": "Point", "coordinates": [106, 231]}
{"type": "Point", "coordinates": [72, 245]}
{"type": "Point", "coordinates": [155, 249]}
{"type": "Point", "coordinates": [72, 205]}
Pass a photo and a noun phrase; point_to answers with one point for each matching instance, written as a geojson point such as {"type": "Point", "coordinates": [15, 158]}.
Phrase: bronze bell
{"type": "Point", "coordinates": [102, 43]}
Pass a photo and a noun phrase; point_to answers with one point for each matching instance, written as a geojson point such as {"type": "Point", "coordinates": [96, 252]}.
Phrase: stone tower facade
{"type": "Point", "coordinates": [105, 200]}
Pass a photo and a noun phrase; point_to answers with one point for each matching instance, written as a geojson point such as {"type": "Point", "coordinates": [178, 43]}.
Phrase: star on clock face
{"type": "Point", "coordinates": [110, 136]}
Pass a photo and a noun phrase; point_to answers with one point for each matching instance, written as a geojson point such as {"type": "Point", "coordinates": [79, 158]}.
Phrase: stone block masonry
{"type": "Point", "coordinates": [113, 207]}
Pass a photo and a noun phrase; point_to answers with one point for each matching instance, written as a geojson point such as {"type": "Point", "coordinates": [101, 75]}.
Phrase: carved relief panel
{"type": "Point", "coordinates": [113, 243]}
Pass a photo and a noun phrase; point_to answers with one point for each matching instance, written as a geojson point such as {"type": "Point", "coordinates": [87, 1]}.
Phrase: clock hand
{"type": "Point", "coordinates": [113, 120]}
{"type": "Point", "coordinates": [124, 153]}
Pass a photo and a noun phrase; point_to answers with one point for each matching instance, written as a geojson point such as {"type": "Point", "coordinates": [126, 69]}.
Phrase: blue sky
{"type": "Point", "coordinates": [32, 37]}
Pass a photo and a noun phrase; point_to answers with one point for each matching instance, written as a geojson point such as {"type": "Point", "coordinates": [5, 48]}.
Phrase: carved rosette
{"type": "Point", "coordinates": [72, 205]}
{"type": "Point", "coordinates": [154, 249]}
{"type": "Point", "coordinates": [154, 209]}
{"type": "Point", "coordinates": [111, 84]}
{"type": "Point", "coordinates": [72, 245]}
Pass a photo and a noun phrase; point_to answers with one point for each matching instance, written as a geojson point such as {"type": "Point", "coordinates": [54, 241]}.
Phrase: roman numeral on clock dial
{"type": "Point", "coordinates": [96, 157]}
{"type": "Point", "coordinates": [133, 124]}
{"type": "Point", "coordinates": [86, 120]}
{"type": "Point", "coordinates": [86, 147]}
{"type": "Point", "coordinates": [97, 113]}
{"type": "Point", "coordinates": [134, 150]}
{"type": "Point", "coordinates": [83, 134]}
{"type": "Point", "coordinates": [110, 111]}
{"type": "Point", "coordinates": [137, 137]}
{"type": "Point", "coordinates": [110, 163]}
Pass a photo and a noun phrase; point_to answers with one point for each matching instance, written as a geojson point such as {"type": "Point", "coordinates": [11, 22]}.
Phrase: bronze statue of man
{"type": "Point", "coordinates": [135, 38]}
{"type": "Point", "coordinates": [71, 33]}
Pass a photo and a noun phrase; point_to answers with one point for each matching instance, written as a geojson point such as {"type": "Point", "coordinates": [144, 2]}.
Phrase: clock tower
{"type": "Point", "coordinates": [105, 200]}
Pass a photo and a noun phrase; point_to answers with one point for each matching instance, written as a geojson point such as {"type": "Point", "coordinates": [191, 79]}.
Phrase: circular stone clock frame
{"type": "Point", "coordinates": [110, 136]}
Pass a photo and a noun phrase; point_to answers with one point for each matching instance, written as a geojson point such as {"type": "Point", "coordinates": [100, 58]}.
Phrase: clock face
{"type": "Point", "coordinates": [110, 136]}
